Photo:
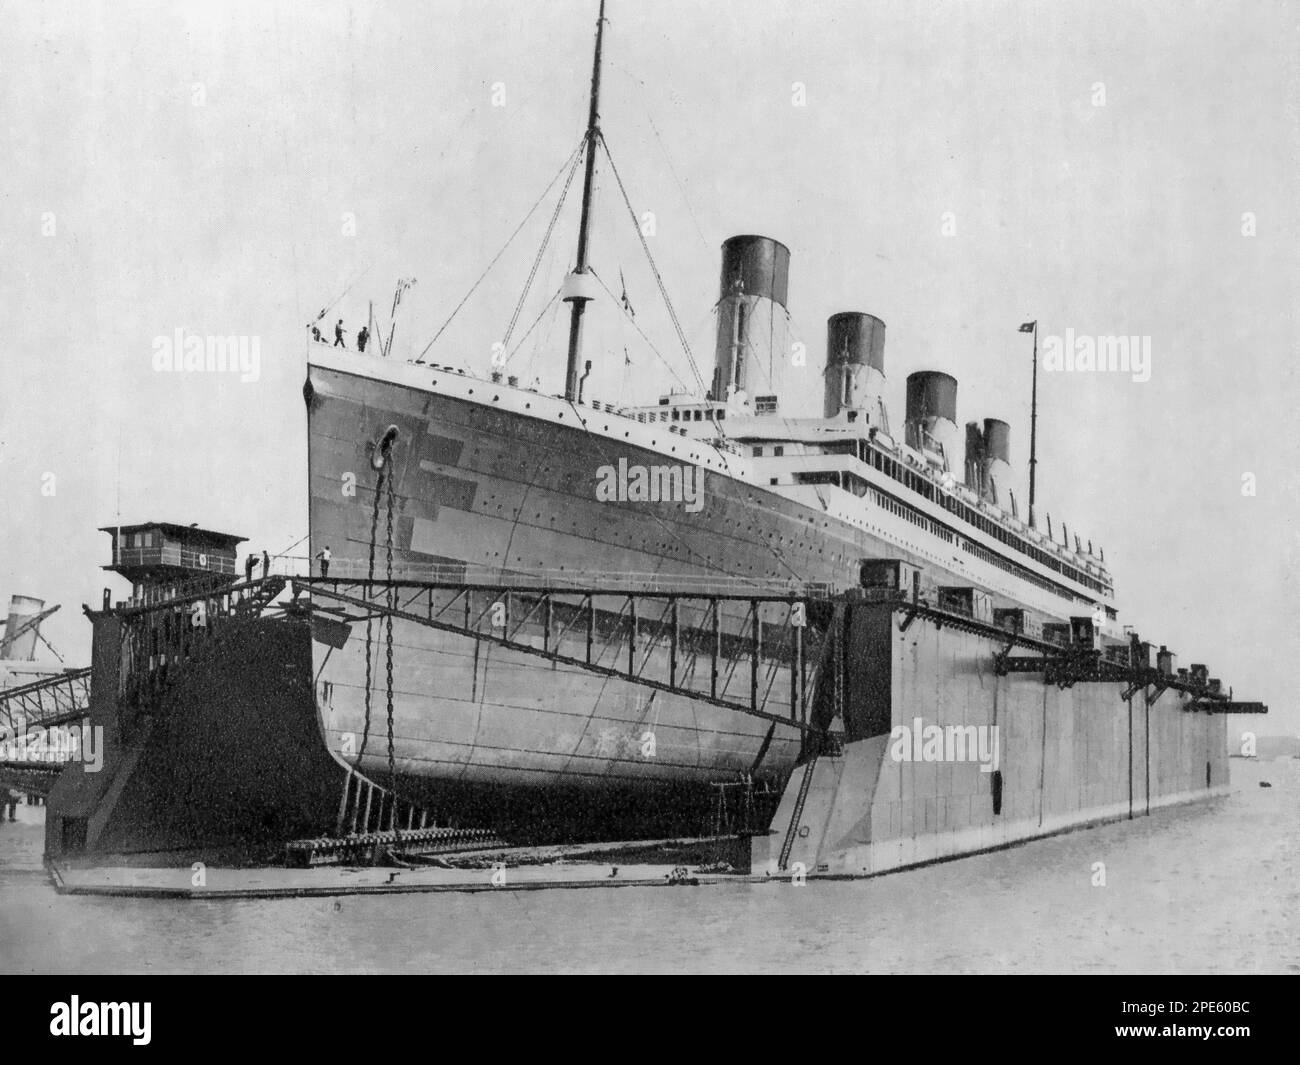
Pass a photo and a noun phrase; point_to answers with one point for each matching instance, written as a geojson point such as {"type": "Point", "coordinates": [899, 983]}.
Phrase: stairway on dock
{"type": "Point", "coordinates": [376, 825]}
{"type": "Point", "coordinates": [796, 817]}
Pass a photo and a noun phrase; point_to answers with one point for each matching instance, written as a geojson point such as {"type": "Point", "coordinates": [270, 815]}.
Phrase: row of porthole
{"type": "Point", "coordinates": [749, 528]}
{"type": "Point", "coordinates": [575, 527]}
{"type": "Point", "coordinates": [663, 545]}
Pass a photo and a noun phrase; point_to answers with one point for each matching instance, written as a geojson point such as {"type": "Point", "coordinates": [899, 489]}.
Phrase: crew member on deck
{"type": "Point", "coordinates": [338, 335]}
{"type": "Point", "coordinates": [266, 564]}
{"type": "Point", "coordinates": [324, 556]}
{"type": "Point", "coordinates": [249, 564]}
{"type": "Point", "coordinates": [363, 337]}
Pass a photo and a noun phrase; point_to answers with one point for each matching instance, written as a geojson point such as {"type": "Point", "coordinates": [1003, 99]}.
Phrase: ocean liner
{"type": "Point", "coordinates": [492, 478]}
{"type": "Point", "coordinates": [474, 636]}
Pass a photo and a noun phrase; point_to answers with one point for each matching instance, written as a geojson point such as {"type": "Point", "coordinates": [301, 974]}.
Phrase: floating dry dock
{"type": "Point", "coordinates": [549, 620]}
{"type": "Point", "coordinates": [214, 735]}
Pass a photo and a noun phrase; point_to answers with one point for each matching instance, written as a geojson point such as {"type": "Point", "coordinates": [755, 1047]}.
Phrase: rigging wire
{"type": "Point", "coordinates": [568, 163]}
{"type": "Point", "coordinates": [542, 339]}
{"type": "Point", "coordinates": [523, 339]}
{"type": "Point", "coordinates": [667, 158]}
{"type": "Point", "coordinates": [681, 188]}
{"type": "Point", "coordinates": [654, 269]}
{"type": "Point", "coordinates": [455, 138]}
{"type": "Point", "coordinates": [635, 326]}
{"type": "Point", "coordinates": [542, 342]}
{"type": "Point", "coordinates": [335, 301]}
{"type": "Point", "coordinates": [537, 260]}
{"type": "Point", "coordinates": [283, 553]}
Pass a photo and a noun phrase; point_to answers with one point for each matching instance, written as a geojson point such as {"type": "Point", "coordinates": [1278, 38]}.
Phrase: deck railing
{"type": "Point", "coordinates": [173, 555]}
{"type": "Point", "coordinates": [352, 569]}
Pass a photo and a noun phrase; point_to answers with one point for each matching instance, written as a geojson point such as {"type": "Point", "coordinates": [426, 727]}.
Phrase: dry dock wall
{"type": "Point", "coordinates": [1066, 757]}
{"type": "Point", "coordinates": [236, 754]}
{"type": "Point", "coordinates": [233, 756]}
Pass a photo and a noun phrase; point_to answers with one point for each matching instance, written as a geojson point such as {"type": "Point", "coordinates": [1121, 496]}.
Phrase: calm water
{"type": "Point", "coordinates": [1209, 888]}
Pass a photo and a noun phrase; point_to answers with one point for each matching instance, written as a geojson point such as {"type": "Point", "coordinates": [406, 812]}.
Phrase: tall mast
{"type": "Point", "coordinates": [576, 296]}
{"type": "Point", "coordinates": [1033, 430]}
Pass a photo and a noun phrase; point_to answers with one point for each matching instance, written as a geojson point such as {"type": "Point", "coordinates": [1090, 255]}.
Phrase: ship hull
{"type": "Point", "coordinates": [482, 488]}
{"type": "Point", "coordinates": [501, 493]}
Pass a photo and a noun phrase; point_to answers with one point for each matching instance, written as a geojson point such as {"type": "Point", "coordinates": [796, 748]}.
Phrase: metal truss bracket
{"type": "Point", "coordinates": [631, 669]}
{"type": "Point", "coordinates": [1059, 673]}
{"type": "Point", "coordinates": [1213, 706]}
{"type": "Point", "coordinates": [906, 622]}
{"type": "Point", "coordinates": [1000, 659]}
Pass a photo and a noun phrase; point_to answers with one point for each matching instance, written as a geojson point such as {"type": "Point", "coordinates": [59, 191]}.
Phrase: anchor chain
{"type": "Point", "coordinates": [370, 576]}
{"type": "Point", "coordinates": [391, 600]}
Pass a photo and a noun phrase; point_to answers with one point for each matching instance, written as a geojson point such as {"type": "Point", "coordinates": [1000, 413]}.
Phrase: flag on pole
{"type": "Point", "coordinates": [627, 303]}
{"type": "Point", "coordinates": [403, 284]}
{"type": "Point", "coordinates": [1028, 327]}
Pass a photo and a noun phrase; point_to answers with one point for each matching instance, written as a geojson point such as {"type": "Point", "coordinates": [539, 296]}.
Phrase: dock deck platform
{"type": "Point", "coordinates": [654, 863]}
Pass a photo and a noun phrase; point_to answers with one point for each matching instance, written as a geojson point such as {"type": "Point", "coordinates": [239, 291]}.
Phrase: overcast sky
{"type": "Point", "coordinates": [955, 169]}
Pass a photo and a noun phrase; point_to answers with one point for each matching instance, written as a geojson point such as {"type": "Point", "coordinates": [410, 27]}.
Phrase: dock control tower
{"type": "Point", "coordinates": [159, 558]}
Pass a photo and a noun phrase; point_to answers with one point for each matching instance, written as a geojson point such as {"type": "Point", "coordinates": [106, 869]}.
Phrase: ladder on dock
{"type": "Point", "coordinates": [797, 815]}
{"type": "Point", "coordinates": [368, 807]}
{"type": "Point", "coordinates": [373, 821]}
{"type": "Point", "coordinates": [260, 595]}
